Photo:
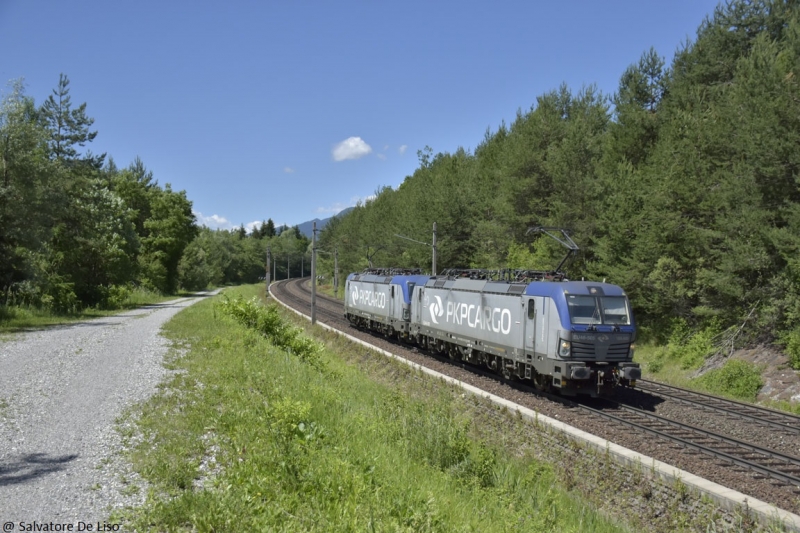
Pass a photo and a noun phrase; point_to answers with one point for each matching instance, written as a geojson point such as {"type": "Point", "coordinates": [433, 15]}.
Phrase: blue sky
{"type": "Point", "coordinates": [295, 110]}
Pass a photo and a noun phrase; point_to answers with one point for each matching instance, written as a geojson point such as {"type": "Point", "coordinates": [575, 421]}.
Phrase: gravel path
{"type": "Point", "coordinates": [61, 390]}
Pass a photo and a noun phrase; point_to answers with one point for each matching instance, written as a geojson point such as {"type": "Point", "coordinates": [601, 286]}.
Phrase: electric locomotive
{"type": "Point", "coordinates": [574, 337]}
{"type": "Point", "coordinates": [379, 299]}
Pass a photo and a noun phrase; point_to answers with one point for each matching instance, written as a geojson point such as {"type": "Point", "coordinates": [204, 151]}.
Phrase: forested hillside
{"type": "Point", "coordinates": [682, 187]}
{"type": "Point", "coordinates": [76, 231]}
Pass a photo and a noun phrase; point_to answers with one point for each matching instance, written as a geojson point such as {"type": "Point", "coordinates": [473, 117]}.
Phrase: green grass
{"type": "Point", "coordinates": [252, 437]}
{"type": "Point", "coordinates": [17, 318]}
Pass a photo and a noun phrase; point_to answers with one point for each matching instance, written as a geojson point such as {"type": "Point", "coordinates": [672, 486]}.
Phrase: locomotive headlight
{"type": "Point", "coordinates": [564, 348]}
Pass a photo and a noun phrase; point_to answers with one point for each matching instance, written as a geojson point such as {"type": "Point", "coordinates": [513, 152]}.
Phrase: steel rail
{"type": "Point", "coordinates": [287, 288]}
{"type": "Point", "coordinates": [716, 453]}
{"type": "Point", "coordinates": [761, 415]}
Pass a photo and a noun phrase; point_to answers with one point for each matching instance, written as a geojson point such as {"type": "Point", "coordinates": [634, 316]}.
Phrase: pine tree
{"type": "Point", "coordinates": [256, 232]}
{"type": "Point", "coordinates": [69, 128]}
{"type": "Point", "coordinates": [269, 231]}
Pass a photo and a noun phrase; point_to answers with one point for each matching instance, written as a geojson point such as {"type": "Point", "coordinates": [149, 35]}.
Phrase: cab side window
{"type": "Point", "coordinates": [531, 309]}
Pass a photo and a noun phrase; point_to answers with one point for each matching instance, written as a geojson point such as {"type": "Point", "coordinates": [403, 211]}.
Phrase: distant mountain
{"type": "Point", "coordinates": [306, 228]}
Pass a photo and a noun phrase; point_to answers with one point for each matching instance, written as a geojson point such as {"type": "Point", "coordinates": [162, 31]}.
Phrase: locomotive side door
{"type": "Point", "coordinates": [530, 325]}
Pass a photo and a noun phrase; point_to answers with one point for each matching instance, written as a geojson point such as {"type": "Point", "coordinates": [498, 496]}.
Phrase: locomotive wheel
{"type": "Point", "coordinates": [453, 352]}
{"type": "Point", "coordinates": [542, 382]}
{"type": "Point", "coordinates": [506, 371]}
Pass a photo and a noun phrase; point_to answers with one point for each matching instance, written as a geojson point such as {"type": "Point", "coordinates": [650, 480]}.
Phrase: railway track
{"type": "Point", "coordinates": [763, 461]}
{"type": "Point", "coordinates": [775, 470]}
{"type": "Point", "coordinates": [759, 415]}
{"type": "Point", "coordinates": [297, 295]}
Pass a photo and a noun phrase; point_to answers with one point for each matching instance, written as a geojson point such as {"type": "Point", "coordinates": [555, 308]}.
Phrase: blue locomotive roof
{"type": "Point", "coordinates": [552, 288]}
{"type": "Point", "coordinates": [558, 291]}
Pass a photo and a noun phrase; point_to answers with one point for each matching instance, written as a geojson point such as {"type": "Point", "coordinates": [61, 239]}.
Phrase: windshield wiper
{"type": "Point", "coordinates": [592, 326]}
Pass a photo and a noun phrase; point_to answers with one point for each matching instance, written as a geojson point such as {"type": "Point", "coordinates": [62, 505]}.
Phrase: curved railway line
{"type": "Point", "coordinates": [747, 448]}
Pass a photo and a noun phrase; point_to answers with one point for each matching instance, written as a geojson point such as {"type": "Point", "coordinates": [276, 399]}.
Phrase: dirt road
{"type": "Point", "coordinates": [61, 390]}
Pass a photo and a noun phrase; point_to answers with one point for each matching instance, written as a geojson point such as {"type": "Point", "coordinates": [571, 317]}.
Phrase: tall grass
{"type": "Point", "coordinates": [302, 443]}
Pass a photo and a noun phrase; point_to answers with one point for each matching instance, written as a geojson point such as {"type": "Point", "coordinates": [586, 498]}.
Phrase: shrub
{"type": "Point", "coordinates": [692, 348]}
{"type": "Point", "coordinates": [115, 296]}
{"type": "Point", "coordinates": [791, 342]}
{"type": "Point", "coordinates": [657, 362]}
{"type": "Point", "coordinates": [736, 378]}
{"type": "Point", "coordinates": [267, 321]}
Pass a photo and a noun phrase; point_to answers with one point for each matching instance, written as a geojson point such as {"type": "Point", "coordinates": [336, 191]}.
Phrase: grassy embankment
{"type": "Point", "coordinates": [20, 317]}
{"type": "Point", "coordinates": [274, 432]}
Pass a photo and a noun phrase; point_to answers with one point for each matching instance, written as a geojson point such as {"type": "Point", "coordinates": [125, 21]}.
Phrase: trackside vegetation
{"type": "Point", "coordinates": [264, 429]}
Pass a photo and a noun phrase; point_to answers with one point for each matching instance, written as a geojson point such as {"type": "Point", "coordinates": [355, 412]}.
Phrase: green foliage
{"type": "Point", "coordinates": [170, 228]}
{"type": "Point", "coordinates": [268, 229]}
{"type": "Point", "coordinates": [690, 347]}
{"type": "Point", "coordinates": [25, 172]}
{"type": "Point", "coordinates": [96, 241]}
{"type": "Point", "coordinates": [736, 378]}
{"type": "Point", "coordinates": [74, 234]}
{"type": "Point", "coordinates": [268, 323]}
{"type": "Point", "coordinates": [68, 128]}
{"type": "Point", "coordinates": [220, 257]}
{"type": "Point", "coordinates": [791, 341]}
{"type": "Point", "coordinates": [656, 363]}
{"type": "Point", "coordinates": [50, 310]}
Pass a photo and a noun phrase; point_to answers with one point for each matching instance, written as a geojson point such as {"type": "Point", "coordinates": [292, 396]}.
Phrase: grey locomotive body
{"type": "Point", "coordinates": [574, 337]}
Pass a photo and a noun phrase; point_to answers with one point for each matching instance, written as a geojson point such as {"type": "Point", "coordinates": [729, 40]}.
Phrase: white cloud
{"type": "Point", "coordinates": [213, 221]}
{"type": "Point", "coordinates": [288, 170]}
{"type": "Point", "coordinates": [350, 148]}
{"type": "Point", "coordinates": [382, 157]}
{"type": "Point", "coordinates": [402, 149]}
{"type": "Point", "coordinates": [335, 208]}
{"type": "Point", "coordinates": [250, 226]}
{"type": "Point", "coordinates": [385, 147]}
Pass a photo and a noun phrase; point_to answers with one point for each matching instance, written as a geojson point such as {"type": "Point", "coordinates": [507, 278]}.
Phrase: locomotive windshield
{"type": "Point", "coordinates": [611, 310]}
